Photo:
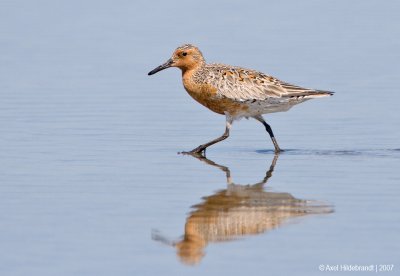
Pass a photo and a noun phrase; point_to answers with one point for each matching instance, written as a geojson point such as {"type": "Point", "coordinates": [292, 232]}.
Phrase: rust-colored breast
{"type": "Point", "coordinates": [206, 94]}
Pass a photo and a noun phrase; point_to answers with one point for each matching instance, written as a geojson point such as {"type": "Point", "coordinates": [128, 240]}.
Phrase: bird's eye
{"type": "Point", "coordinates": [184, 54]}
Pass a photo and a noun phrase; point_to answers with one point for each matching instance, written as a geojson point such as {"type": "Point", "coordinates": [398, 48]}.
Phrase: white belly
{"type": "Point", "coordinates": [272, 105]}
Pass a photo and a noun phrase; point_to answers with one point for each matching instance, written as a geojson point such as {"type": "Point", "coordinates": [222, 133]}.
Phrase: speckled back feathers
{"type": "Point", "coordinates": [245, 84]}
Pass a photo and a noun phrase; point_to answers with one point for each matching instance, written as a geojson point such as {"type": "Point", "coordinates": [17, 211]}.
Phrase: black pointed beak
{"type": "Point", "coordinates": [161, 67]}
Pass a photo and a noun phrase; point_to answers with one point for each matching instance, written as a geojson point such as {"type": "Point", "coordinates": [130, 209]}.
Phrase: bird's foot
{"type": "Point", "coordinates": [195, 154]}
{"type": "Point", "coordinates": [199, 151]}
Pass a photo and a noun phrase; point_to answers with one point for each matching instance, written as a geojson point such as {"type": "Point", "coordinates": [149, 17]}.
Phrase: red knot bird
{"type": "Point", "coordinates": [234, 91]}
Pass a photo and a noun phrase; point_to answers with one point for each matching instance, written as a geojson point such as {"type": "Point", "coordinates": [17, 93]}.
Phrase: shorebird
{"type": "Point", "coordinates": [234, 91]}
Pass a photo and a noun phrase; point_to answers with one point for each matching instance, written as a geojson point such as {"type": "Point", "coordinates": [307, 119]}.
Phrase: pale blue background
{"type": "Point", "coordinates": [88, 163]}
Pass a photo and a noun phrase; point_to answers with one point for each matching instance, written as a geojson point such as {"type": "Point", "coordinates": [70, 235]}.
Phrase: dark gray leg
{"type": "Point", "coordinates": [269, 130]}
{"type": "Point", "coordinates": [202, 148]}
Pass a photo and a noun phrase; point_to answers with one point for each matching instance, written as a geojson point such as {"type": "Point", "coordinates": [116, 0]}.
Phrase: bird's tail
{"type": "Point", "coordinates": [319, 94]}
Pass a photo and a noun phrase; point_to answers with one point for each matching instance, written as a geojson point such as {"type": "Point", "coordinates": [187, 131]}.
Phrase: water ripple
{"type": "Point", "coordinates": [391, 153]}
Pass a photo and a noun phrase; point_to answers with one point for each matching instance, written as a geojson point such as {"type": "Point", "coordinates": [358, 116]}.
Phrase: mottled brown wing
{"type": "Point", "coordinates": [242, 85]}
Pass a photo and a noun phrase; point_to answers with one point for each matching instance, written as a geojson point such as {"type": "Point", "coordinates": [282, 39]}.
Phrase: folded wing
{"type": "Point", "coordinates": [243, 85]}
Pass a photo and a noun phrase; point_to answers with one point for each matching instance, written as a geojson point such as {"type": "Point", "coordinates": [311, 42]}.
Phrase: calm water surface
{"type": "Point", "coordinates": [90, 182]}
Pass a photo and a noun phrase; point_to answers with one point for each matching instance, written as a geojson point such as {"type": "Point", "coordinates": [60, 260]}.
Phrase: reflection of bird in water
{"type": "Point", "coordinates": [237, 211]}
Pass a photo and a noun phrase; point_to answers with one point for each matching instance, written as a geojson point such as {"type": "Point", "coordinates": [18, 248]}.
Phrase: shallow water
{"type": "Point", "coordinates": [90, 179]}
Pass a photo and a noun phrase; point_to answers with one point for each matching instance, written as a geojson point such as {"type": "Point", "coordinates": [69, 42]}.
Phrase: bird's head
{"type": "Point", "coordinates": [185, 57]}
